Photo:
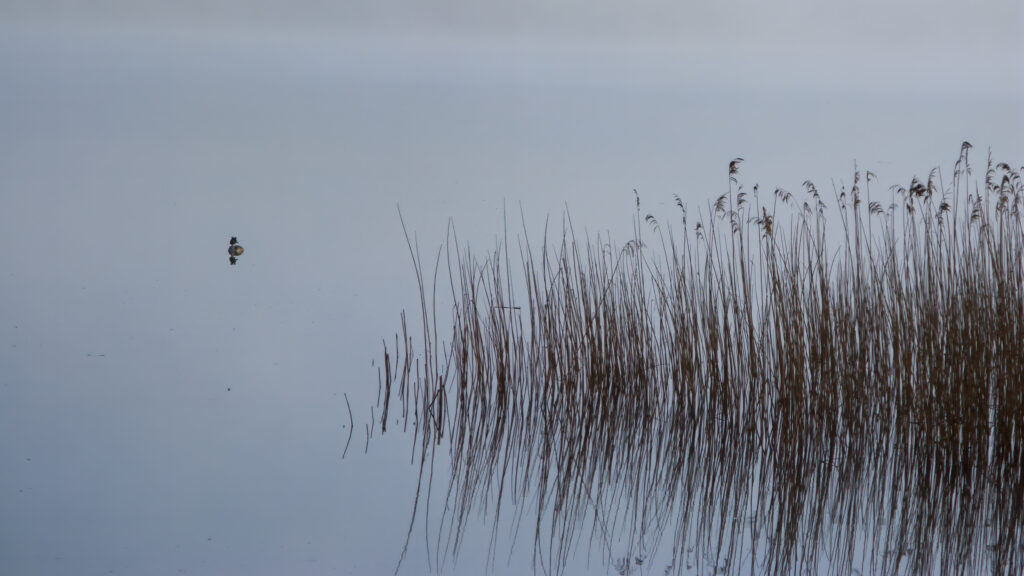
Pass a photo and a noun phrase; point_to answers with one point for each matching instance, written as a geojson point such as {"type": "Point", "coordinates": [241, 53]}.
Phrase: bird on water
{"type": "Point", "coordinates": [234, 250]}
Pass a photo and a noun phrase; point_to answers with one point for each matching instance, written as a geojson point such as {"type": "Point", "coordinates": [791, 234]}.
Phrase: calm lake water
{"type": "Point", "coordinates": [163, 412]}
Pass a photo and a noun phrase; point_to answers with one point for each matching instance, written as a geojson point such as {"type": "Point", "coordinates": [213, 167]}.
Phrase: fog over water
{"type": "Point", "coordinates": [164, 412]}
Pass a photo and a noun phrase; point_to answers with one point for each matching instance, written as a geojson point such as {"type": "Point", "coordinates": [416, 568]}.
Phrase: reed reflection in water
{"type": "Point", "coordinates": [741, 394]}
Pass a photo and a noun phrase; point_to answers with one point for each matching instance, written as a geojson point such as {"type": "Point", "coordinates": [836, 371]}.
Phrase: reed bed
{"type": "Point", "coordinates": [779, 387]}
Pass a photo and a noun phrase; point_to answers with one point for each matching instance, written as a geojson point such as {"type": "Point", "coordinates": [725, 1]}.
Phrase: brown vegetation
{"type": "Point", "coordinates": [758, 399]}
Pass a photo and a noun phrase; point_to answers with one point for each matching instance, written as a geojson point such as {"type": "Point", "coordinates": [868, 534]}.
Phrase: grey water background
{"type": "Point", "coordinates": [162, 412]}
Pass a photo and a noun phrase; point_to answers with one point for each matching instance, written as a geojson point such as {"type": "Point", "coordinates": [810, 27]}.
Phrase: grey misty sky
{"type": "Point", "coordinates": [899, 46]}
{"type": "Point", "coordinates": [893, 24]}
{"type": "Point", "coordinates": [137, 137]}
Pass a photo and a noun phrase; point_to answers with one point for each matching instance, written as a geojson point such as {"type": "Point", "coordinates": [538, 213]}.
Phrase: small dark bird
{"type": "Point", "coordinates": [234, 249]}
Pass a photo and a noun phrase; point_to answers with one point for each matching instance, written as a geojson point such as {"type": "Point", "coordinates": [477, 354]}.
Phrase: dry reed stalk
{"type": "Point", "coordinates": [861, 408]}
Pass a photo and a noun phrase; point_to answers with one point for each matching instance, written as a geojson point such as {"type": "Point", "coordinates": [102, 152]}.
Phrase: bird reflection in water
{"type": "Point", "coordinates": [234, 250]}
